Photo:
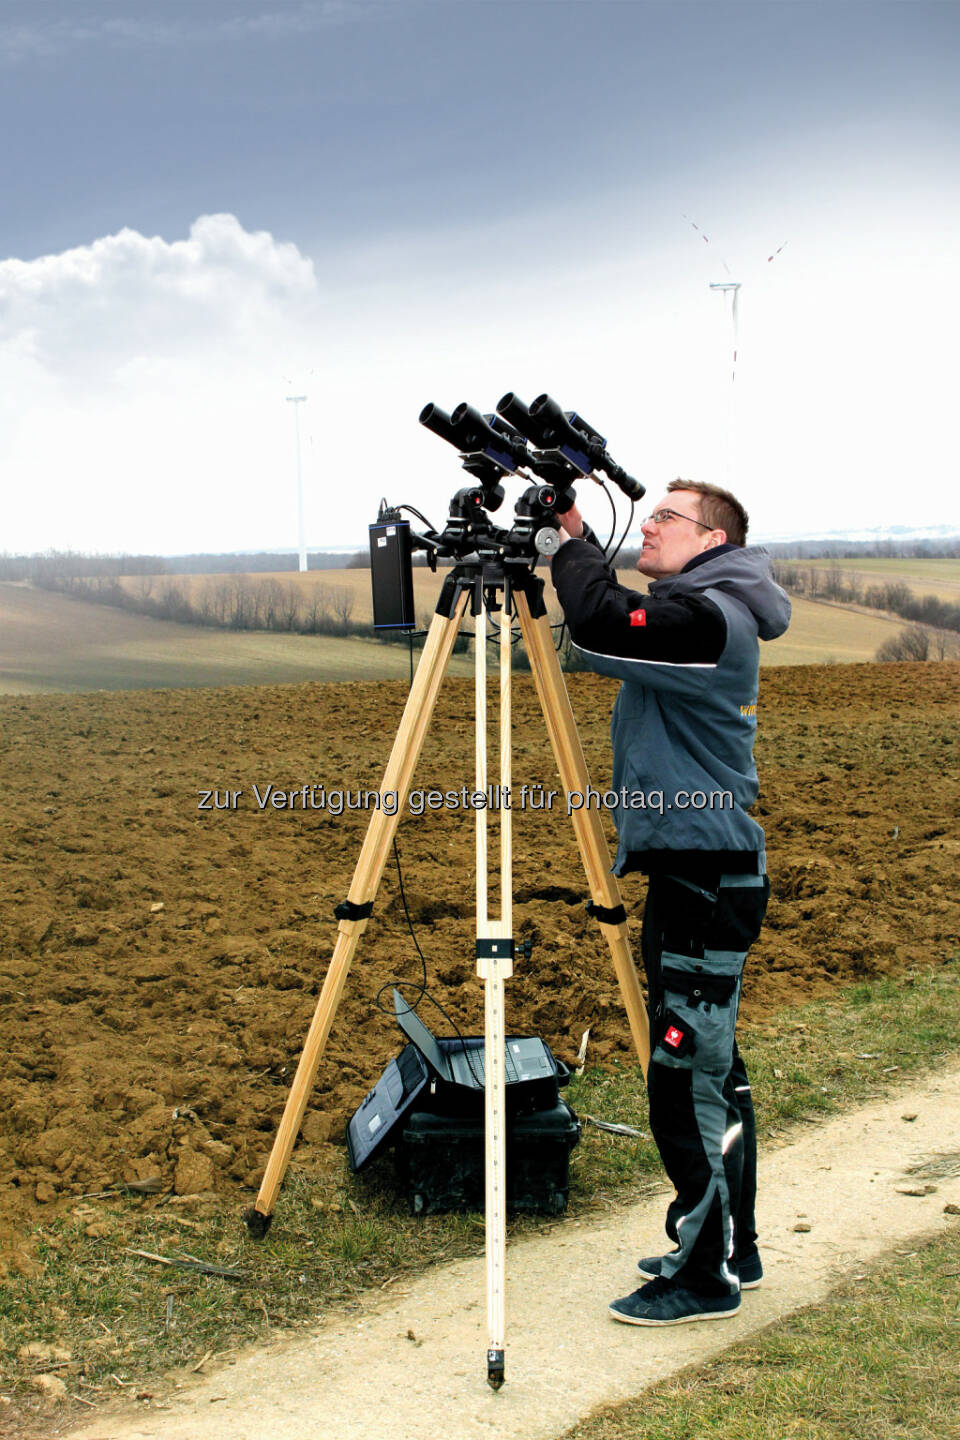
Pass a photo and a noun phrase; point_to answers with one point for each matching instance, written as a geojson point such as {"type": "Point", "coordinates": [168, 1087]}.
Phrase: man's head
{"type": "Point", "coordinates": [694, 517]}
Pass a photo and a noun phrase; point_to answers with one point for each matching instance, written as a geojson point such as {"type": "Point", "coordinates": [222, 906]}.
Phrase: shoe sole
{"type": "Point", "coordinates": [744, 1284]}
{"type": "Point", "coordinates": [680, 1320]}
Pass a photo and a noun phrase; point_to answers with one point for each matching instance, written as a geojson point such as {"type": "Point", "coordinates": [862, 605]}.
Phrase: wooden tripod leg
{"type": "Point", "coordinates": [568, 751]}
{"type": "Point", "coordinates": [363, 888]}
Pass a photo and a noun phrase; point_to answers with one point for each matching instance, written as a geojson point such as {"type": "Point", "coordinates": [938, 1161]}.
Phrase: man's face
{"type": "Point", "coordinates": [670, 544]}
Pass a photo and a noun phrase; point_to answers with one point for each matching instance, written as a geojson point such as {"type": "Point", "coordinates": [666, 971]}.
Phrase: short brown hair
{"type": "Point", "coordinates": [718, 508]}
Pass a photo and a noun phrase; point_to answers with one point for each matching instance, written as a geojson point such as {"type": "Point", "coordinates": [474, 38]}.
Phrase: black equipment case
{"type": "Point", "coordinates": [441, 1161]}
{"type": "Point", "coordinates": [429, 1102]}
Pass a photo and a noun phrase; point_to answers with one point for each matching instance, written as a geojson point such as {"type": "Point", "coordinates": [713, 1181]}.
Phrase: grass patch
{"type": "Point", "coordinates": [805, 1065]}
{"type": "Point", "coordinates": [123, 1322]}
{"type": "Point", "coordinates": [880, 1360]}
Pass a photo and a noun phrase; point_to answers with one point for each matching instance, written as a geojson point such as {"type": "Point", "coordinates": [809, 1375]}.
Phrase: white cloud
{"type": "Point", "coordinates": [143, 381]}
{"type": "Point", "coordinates": [128, 293]}
{"type": "Point", "coordinates": [136, 370]}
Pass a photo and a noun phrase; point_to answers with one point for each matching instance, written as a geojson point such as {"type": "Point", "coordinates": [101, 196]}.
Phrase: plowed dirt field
{"type": "Point", "coordinates": [157, 958]}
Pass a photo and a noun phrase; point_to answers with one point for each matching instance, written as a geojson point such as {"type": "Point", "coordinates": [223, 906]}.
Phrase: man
{"type": "Point", "coordinates": [683, 729]}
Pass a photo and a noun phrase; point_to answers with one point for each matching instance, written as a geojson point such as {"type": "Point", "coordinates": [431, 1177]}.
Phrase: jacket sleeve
{"type": "Point", "coordinates": [608, 620]}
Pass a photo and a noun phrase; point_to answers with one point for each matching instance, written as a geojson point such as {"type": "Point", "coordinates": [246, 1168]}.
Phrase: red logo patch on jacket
{"type": "Point", "coordinates": [638, 617]}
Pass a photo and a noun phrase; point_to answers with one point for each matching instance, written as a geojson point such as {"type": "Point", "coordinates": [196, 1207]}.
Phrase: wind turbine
{"type": "Point", "coordinates": [731, 288]}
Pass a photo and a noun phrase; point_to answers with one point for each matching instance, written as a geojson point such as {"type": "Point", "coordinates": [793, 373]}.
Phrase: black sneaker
{"type": "Point", "coordinates": [750, 1268]}
{"type": "Point", "coordinates": [661, 1302]}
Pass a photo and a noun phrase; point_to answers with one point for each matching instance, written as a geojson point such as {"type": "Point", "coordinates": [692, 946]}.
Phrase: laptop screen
{"type": "Point", "coordinates": [418, 1034]}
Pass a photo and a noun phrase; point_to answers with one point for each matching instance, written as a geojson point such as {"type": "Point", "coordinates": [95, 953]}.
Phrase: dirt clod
{"type": "Point", "coordinates": [44, 1351]}
{"type": "Point", "coordinates": [194, 1172]}
{"type": "Point", "coordinates": [51, 1387]}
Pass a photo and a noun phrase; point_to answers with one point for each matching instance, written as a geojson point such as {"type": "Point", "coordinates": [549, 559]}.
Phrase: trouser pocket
{"type": "Point", "coordinates": [697, 1014]}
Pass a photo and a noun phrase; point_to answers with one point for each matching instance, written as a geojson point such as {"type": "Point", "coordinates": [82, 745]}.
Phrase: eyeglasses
{"type": "Point", "coordinates": [660, 516]}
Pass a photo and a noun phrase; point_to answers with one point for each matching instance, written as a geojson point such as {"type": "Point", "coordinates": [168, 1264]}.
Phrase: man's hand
{"type": "Point", "coordinates": [571, 525]}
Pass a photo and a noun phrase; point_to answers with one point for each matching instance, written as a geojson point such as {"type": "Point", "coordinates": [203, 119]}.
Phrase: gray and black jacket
{"type": "Point", "coordinates": [686, 716]}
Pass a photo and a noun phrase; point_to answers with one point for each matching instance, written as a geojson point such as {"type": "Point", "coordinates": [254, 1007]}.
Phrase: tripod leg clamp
{"type": "Point", "coordinates": [495, 949]}
{"type": "Point", "coordinates": [600, 913]}
{"type": "Point", "coordinates": [495, 958]}
{"type": "Point", "coordinates": [347, 910]}
{"type": "Point", "coordinates": [532, 587]}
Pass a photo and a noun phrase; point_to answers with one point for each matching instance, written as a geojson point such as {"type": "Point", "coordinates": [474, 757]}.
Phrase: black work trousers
{"type": "Point", "coordinates": [695, 941]}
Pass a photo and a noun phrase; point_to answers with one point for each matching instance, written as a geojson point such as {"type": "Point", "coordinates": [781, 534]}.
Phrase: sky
{"type": "Point", "coordinates": [208, 207]}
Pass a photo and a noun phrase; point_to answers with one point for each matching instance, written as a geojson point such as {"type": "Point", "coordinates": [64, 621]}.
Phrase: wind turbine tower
{"type": "Point", "coordinates": [296, 401]}
{"type": "Point", "coordinates": [731, 288]}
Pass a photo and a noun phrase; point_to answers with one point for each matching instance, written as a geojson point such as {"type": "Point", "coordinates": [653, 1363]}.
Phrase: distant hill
{"type": "Point", "coordinates": [51, 642]}
{"type": "Point", "coordinates": [56, 642]}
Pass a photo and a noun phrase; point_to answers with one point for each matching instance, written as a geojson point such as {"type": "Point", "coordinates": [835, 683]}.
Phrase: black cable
{"type": "Point", "coordinates": [414, 511]}
{"type": "Point", "coordinates": [422, 992]}
{"type": "Point", "coordinates": [613, 508]}
{"type": "Point", "coordinates": [421, 989]}
{"type": "Point", "coordinates": [626, 529]}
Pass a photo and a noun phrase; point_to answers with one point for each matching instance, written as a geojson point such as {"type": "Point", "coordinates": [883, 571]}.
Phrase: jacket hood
{"type": "Point", "coordinates": [745, 573]}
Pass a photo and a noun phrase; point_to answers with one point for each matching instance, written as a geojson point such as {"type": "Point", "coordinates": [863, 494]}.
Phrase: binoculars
{"type": "Point", "coordinates": [566, 446]}
{"type": "Point", "coordinates": [548, 448]}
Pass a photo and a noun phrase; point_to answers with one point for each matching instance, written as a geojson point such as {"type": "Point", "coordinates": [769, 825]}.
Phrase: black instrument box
{"type": "Point", "coordinates": [429, 1103]}
{"type": "Point", "coordinates": [441, 1161]}
{"type": "Point", "coordinates": [391, 576]}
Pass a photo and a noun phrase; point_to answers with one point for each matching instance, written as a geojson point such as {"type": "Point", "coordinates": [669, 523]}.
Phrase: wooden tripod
{"type": "Point", "coordinates": [494, 957]}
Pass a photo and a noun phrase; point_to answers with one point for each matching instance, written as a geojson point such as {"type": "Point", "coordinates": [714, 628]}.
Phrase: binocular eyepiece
{"type": "Point", "coordinates": [485, 456]}
{"type": "Point", "coordinates": [475, 434]}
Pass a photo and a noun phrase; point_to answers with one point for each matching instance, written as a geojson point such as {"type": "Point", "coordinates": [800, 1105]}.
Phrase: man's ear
{"type": "Point", "coordinates": [715, 538]}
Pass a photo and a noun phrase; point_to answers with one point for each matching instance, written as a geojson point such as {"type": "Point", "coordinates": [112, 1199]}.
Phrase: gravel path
{"type": "Point", "coordinates": [411, 1364]}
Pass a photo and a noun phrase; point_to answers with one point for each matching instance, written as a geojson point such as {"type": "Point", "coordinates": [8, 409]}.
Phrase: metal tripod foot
{"type": "Point", "coordinates": [495, 1364]}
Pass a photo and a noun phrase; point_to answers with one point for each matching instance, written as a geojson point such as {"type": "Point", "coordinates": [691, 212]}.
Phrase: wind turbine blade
{"type": "Point", "coordinates": [706, 240]}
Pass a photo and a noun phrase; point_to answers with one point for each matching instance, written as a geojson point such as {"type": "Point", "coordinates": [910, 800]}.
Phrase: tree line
{"type": "Point", "coordinates": [233, 602]}
{"type": "Point", "coordinates": [39, 567]}
{"type": "Point", "coordinates": [236, 602]}
{"type": "Point", "coordinates": [934, 621]}
{"type": "Point", "coordinates": [946, 548]}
